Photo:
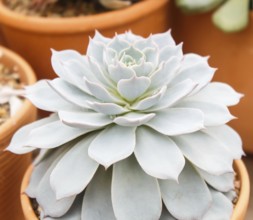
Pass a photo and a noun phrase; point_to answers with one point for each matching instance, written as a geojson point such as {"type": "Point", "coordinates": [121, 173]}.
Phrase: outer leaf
{"type": "Point", "coordinates": [176, 121]}
{"type": "Point", "coordinates": [77, 166]}
{"type": "Point", "coordinates": [214, 114]}
{"type": "Point", "coordinates": [41, 168]}
{"type": "Point", "coordinates": [205, 152]}
{"type": "Point", "coordinates": [97, 202]}
{"type": "Point", "coordinates": [47, 199]}
{"type": "Point", "coordinates": [74, 213]}
{"type": "Point", "coordinates": [57, 134]}
{"type": "Point", "coordinates": [18, 142]}
{"type": "Point", "coordinates": [189, 198]}
{"type": "Point", "coordinates": [112, 145]}
{"type": "Point", "coordinates": [221, 207]}
{"type": "Point", "coordinates": [135, 195]}
{"type": "Point", "coordinates": [44, 97]}
{"type": "Point", "coordinates": [222, 183]}
{"type": "Point", "coordinates": [217, 93]}
{"type": "Point", "coordinates": [70, 93]}
{"type": "Point", "coordinates": [229, 138]}
{"type": "Point", "coordinates": [166, 215]}
{"type": "Point", "coordinates": [200, 72]}
{"type": "Point", "coordinates": [157, 154]}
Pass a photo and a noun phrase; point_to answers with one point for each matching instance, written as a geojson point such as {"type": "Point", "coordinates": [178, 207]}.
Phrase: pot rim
{"type": "Point", "coordinates": [8, 127]}
{"type": "Point", "coordinates": [88, 23]}
{"type": "Point", "coordinates": [239, 209]}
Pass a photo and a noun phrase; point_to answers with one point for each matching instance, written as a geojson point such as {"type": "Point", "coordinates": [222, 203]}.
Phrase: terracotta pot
{"type": "Point", "coordinates": [33, 37]}
{"type": "Point", "coordinates": [1, 37]}
{"type": "Point", "coordinates": [12, 167]}
{"type": "Point", "coordinates": [231, 53]}
{"type": "Point", "coordinates": [238, 213]}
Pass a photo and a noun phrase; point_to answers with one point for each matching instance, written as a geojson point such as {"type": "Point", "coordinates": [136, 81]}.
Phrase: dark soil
{"type": "Point", "coordinates": [8, 77]}
{"type": "Point", "coordinates": [55, 8]}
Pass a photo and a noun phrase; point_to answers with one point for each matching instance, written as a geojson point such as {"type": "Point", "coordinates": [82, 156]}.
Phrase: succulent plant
{"type": "Point", "coordinates": [138, 131]}
{"type": "Point", "coordinates": [231, 16]}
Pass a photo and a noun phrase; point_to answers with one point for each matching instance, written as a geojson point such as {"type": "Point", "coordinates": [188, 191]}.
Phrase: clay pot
{"type": "Point", "coordinates": [12, 167]}
{"type": "Point", "coordinates": [238, 213]}
{"type": "Point", "coordinates": [33, 37]}
{"type": "Point", "coordinates": [231, 53]}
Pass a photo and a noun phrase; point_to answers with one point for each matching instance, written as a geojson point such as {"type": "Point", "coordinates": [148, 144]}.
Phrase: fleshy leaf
{"type": "Point", "coordinates": [70, 93]}
{"type": "Point", "coordinates": [199, 71]}
{"type": "Point", "coordinates": [176, 121]}
{"type": "Point", "coordinates": [189, 198]}
{"type": "Point", "coordinates": [107, 108]}
{"type": "Point", "coordinates": [149, 101]}
{"type": "Point", "coordinates": [47, 198]}
{"type": "Point", "coordinates": [217, 93]}
{"type": "Point", "coordinates": [169, 51]}
{"type": "Point", "coordinates": [227, 137]}
{"type": "Point", "coordinates": [133, 88]}
{"type": "Point", "coordinates": [221, 207]}
{"type": "Point", "coordinates": [78, 169]}
{"type": "Point", "coordinates": [44, 97]}
{"type": "Point", "coordinates": [135, 195]}
{"type": "Point", "coordinates": [56, 134]}
{"type": "Point", "coordinates": [97, 202]}
{"type": "Point", "coordinates": [164, 39]}
{"type": "Point", "coordinates": [18, 142]}
{"type": "Point", "coordinates": [112, 144]}
{"type": "Point", "coordinates": [40, 169]}
{"type": "Point", "coordinates": [174, 94]}
{"type": "Point", "coordinates": [74, 213]}
{"type": "Point", "coordinates": [165, 73]}
{"type": "Point", "coordinates": [119, 71]}
{"type": "Point", "coordinates": [86, 120]}
{"type": "Point", "coordinates": [223, 183]}
{"type": "Point", "coordinates": [157, 154]}
{"type": "Point", "coordinates": [205, 152]}
{"type": "Point", "coordinates": [214, 114]}
{"type": "Point", "coordinates": [133, 119]}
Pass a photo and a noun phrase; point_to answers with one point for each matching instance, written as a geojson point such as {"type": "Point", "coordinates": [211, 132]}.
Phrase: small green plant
{"type": "Point", "coordinates": [231, 15]}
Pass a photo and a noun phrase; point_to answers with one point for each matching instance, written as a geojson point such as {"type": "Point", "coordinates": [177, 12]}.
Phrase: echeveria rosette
{"type": "Point", "coordinates": [148, 114]}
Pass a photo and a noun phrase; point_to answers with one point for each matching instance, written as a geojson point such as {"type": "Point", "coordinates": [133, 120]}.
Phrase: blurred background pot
{"type": "Point", "coordinates": [231, 53]}
{"type": "Point", "coordinates": [239, 212]}
{"type": "Point", "coordinates": [12, 167]}
{"type": "Point", "coordinates": [32, 37]}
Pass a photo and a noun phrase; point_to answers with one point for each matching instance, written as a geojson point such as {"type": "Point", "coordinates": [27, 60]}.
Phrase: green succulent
{"type": "Point", "coordinates": [231, 16]}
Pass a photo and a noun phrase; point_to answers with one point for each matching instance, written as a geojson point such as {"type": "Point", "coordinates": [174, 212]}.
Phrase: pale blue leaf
{"type": "Point", "coordinates": [135, 195]}
{"type": "Point", "coordinates": [205, 152]}
{"type": "Point", "coordinates": [157, 154]}
{"type": "Point", "coordinates": [177, 121]}
{"type": "Point", "coordinates": [189, 198]}
{"type": "Point", "coordinates": [112, 144]}
{"type": "Point", "coordinates": [133, 119]}
{"type": "Point", "coordinates": [97, 201]}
